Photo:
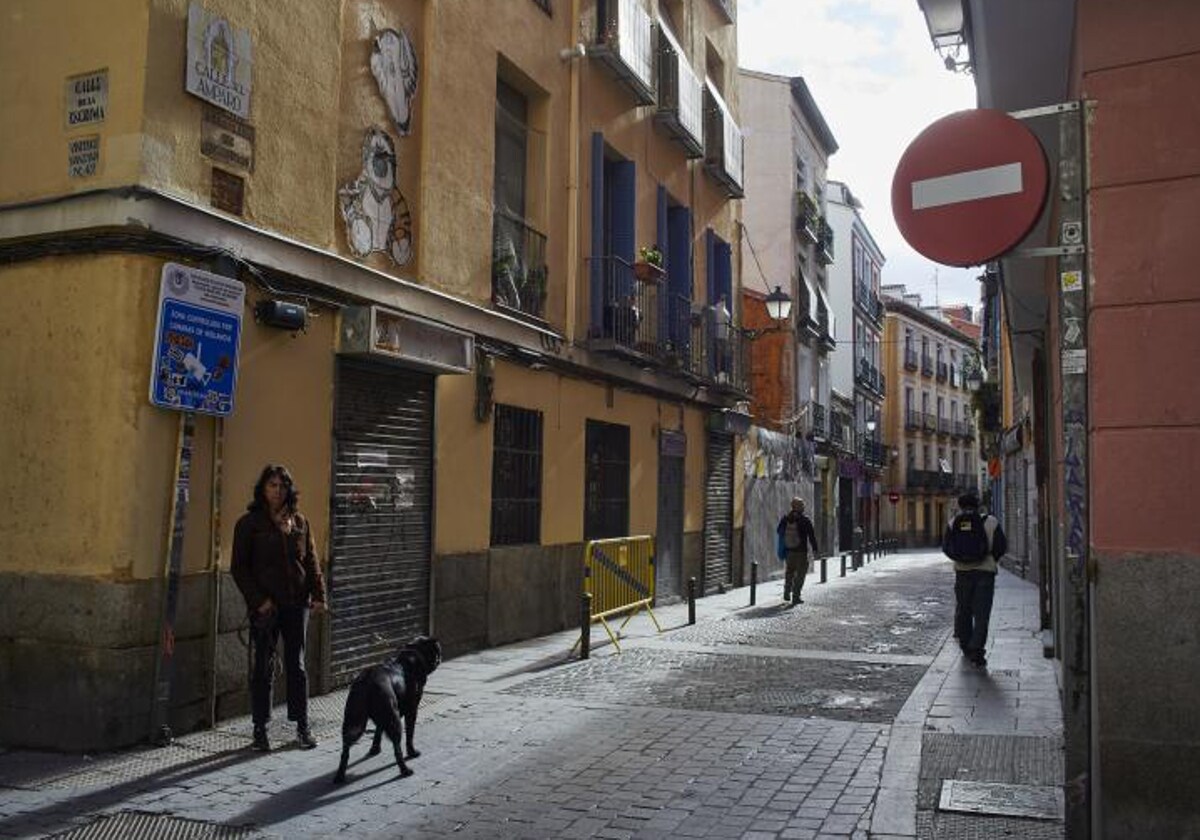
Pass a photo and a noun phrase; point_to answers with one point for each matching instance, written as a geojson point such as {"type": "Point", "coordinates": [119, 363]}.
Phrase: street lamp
{"type": "Point", "coordinates": [779, 308]}
{"type": "Point", "coordinates": [974, 380]}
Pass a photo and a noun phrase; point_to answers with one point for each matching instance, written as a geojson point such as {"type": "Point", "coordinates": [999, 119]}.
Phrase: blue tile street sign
{"type": "Point", "coordinates": [196, 341]}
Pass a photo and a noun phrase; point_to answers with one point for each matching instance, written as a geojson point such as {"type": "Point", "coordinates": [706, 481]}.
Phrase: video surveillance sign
{"type": "Point", "coordinates": [196, 341]}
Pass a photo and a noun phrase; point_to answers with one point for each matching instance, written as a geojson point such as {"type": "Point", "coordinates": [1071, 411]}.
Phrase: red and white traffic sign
{"type": "Point", "coordinates": [969, 187]}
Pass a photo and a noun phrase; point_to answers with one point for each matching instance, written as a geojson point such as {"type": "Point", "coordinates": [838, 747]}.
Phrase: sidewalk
{"type": "Point", "coordinates": [497, 750]}
{"type": "Point", "coordinates": [1002, 725]}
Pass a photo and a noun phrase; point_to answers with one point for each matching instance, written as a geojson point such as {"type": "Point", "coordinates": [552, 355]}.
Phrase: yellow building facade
{"type": "Point", "coordinates": [484, 373]}
{"type": "Point", "coordinates": [928, 422]}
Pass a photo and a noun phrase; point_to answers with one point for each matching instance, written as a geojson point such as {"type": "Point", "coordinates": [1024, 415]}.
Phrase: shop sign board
{"type": "Point", "coordinates": [196, 341]}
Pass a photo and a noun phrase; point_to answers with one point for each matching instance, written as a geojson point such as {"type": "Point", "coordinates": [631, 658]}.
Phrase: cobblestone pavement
{"type": "Point", "coordinates": [753, 723]}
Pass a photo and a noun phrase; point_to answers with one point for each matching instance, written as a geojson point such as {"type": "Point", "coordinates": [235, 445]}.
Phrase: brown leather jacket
{"type": "Point", "coordinates": [268, 563]}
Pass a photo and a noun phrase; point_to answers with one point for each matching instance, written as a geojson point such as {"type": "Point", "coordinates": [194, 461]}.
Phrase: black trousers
{"type": "Point", "coordinates": [794, 574]}
{"type": "Point", "coordinates": [973, 593]}
{"type": "Point", "coordinates": [291, 623]}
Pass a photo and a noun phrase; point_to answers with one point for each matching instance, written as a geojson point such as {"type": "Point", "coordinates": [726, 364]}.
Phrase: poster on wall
{"type": "Point", "coordinates": [219, 61]}
{"type": "Point", "coordinates": [196, 341]}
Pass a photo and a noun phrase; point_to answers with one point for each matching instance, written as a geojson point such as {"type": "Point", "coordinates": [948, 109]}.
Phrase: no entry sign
{"type": "Point", "coordinates": [969, 187]}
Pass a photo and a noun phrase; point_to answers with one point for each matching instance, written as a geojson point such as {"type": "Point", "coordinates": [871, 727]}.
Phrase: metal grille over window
{"type": "Point", "coordinates": [517, 476]}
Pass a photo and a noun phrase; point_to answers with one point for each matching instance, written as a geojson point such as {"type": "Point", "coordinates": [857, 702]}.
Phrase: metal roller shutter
{"type": "Point", "coordinates": [718, 513]}
{"type": "Point", "coordinates": [382, 497]}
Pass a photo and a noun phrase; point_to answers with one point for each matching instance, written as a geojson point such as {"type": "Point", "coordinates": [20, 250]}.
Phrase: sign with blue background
{"type": "Point", "coordinates": [196, 341]}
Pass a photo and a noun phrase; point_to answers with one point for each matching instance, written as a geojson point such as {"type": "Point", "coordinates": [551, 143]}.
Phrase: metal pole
{"type": "Point", "coordinates": [824, 570]}
{"type": "Point", "coordinates": [214, 559]}
{"type": "Point", "coordinates": [843, 574]}
{"type": "Point", "coordinates": [691, 600]}
{"type": "Point", "coordinates": [160, 728]}
{"type": "Point", "coordinates": [585, 625]}
{"type": "Point", "coordinates": [753, 582]}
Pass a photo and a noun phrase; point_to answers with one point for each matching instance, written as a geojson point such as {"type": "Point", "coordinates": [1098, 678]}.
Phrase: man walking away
{"type": "Point", "coordinates": [795, 531]}
{"type": "Point", "coordinates": [974, 543]}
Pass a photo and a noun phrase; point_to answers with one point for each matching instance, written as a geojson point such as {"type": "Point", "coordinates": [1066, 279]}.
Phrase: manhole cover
{"type": "Point", "coordinates": [1042, 803]}
{"type": "Point", "coordinates": [130, 825]}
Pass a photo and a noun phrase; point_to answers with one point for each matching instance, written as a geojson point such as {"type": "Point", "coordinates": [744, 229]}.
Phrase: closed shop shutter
{"type": "Point", "coordinates": [718, 513]}
{"type": "Point", "coordinates": [382, 496]}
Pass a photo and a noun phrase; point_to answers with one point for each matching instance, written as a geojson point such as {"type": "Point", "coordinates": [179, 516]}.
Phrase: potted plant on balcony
{"type": "Point", "coordinates": [648, 267]}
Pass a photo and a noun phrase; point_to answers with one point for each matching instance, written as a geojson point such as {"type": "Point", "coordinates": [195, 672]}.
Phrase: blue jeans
{"type": "Point", "coordinates": [973, 593]}
{"type": "Point", "coordinates": [291, 623]}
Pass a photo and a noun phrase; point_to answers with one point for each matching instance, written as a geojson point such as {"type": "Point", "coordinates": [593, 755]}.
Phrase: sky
{"type": "Point", "coordinates": [878, 82]}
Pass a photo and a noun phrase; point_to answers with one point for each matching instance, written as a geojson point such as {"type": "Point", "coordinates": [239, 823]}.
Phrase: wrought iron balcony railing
{"type": "Point", "coordinates": [824, 243]}
{"type": "Point", "coordinates": [912, 419]}
{"type": "Point", "coordinates": [910, 358]}
{"type": "Point", "coordinates": [519, 270]}
{"type": "Point", "coordinates": [943, 425]}
{"type": "Point", "coordinates": [680, 95]}
{"type": "Point", "coordinates": [807, 216]}
{"type": "Point", "coordinates": [926, 365]}
{"type": "Point", "coordinates": [624, 43]}
{"type": "Point", "coordinates": [631, 320]}
{"type": "Point", "coordinates": [943, 372]}
{"type": "Point", "coordinates": [930, 422]}
{"type": "Point", "coordinates": [723, 143]}
{"type": "Point", "coordinates": [817, 414]}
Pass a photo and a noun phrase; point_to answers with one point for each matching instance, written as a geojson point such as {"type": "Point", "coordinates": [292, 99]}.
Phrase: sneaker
{"type": "Point", "coordinates": [304, 738]}
{"type": "Point", "coordinates": [261, 742]}
{"type": "Point", "coordinates": [978, 659]}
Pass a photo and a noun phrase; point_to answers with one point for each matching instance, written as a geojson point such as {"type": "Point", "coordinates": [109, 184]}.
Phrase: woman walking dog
{"type": "Point", "coordinates": [275, 566]}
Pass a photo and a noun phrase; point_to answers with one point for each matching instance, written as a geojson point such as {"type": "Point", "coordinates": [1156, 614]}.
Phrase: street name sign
{"type": "Point", "coordinates": [969, 187]}
{"type": "Point", "coordinates": [196, 341]}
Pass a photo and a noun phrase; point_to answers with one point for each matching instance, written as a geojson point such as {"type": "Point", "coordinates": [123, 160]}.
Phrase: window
{"type": "Point", "coordinates": [516, 476]}
{"type": "Point", "coordinates": [954, 410]}
{"type": "Point", "coordinates": [910, 455]}
{"type": "Point", "coordinates": [925, 456]}
{"type": "Point", "coordinates": [519, 272]}
{"type": "Point", "coordinates": [925, 403]}
{"type": "Point", "coordinates": [606, 481]}
{"type": "Point", "coordinates": [908, 401]}
{"type": "Point", "coordinates": [941, 406]}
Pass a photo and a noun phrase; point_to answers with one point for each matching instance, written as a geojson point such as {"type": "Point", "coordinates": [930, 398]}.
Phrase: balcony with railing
{"type": "Point", "coordinates": [920, 479]}
{"type": "Point", "coordinates": [841, 431]}
{"type": "Point", "coordinates": [680, 95]}
{"type": "Point", "coordinates": [519, 270]}
{"type": "Point", "coordinates": [823, 330]}
{"type": "Point", "coordinates": [968, 429]}
{"type": "Point", "coordinates": [943, 372]}
{"type": "Point", "coordinates": [955, 376]}
{"type": "Point", "coordinates": [808, 216]}
{"type": "Point", "coordinates": [816, 413]}
{"type": "Point", "coordinates": [872, 452]}
{"type": "Point", "coordinates": [625, 44]}
{"type": "Point", "coordinates": [824, 243]}
{"type": "Point", "coordinates": [926, 365]}
{"type": "Point", "coordinates": [910, 358]}
{"type": "Point", "coordinates": [723, 143]}
{"type": "Point", "coordinates": [881, 383]}
{"type": "Point", "coordinates": [929, 422]}
{"type": "Point", "coordinates": [912, 420]}
{"type": "Point", "coordinates": [631, 321]}
{"type": "Point", "coordinates": [943, 426]}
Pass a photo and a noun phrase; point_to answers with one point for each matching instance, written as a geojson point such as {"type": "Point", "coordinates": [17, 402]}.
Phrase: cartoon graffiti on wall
{"type": "Point", "coordinates": [394, 66]}
{"type": "Point", "coordinates": [376, 214]}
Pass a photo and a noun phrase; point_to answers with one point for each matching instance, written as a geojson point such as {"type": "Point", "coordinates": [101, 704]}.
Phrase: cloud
{"type": "Point", "coordinates": [878, 83]}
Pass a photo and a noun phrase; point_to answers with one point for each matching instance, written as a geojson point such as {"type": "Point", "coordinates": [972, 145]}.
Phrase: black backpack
{"type": "Point", "coordinates": [966, 540]}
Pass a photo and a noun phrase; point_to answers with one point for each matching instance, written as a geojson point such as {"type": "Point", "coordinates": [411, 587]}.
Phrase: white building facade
{"type": "Point", "coordinates": [857, 367]}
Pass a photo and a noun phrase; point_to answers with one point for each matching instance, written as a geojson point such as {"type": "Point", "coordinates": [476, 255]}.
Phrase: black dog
{"type": "Point", "coordinates": [384, 694]}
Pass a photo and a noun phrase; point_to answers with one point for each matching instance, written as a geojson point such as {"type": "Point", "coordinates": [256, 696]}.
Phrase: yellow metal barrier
{"type": "Point", "coordinates": [619, 575]}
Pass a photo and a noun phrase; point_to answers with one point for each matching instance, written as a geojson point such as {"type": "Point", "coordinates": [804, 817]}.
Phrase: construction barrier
{"type": "Point", "coordinates": [618, 574]}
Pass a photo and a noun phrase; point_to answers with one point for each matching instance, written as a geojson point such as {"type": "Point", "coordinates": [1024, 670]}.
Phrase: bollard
{"type": "Point", "coordinates": [856, 544]}
{"type": "Point", "coordinates": [585, 625]}
{"type": "Point", "coordinates": [753, 582]}
{"type": "Point", "coordinates": [824, 570]}
{"type": "Point", "coordinates": [843, 564]}
{"type": "Point", "coordinates": [691, 600]}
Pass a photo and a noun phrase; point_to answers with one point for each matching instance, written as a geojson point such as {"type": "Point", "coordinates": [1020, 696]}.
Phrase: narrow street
{"type": "Point", "coordinates": [836, 718]}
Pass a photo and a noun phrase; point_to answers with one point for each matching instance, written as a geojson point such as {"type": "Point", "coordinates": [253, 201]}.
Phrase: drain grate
{"type": "Point", "coordinates": [1031, 801]}
{"type": "Point", "coordinates": [134, 825]}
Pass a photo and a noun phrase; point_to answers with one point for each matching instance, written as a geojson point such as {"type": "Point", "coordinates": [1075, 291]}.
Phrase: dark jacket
{"type": "Point", "coordinates": [808, 535]}
{"type": "Point", "coordinates": [268, 563]}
